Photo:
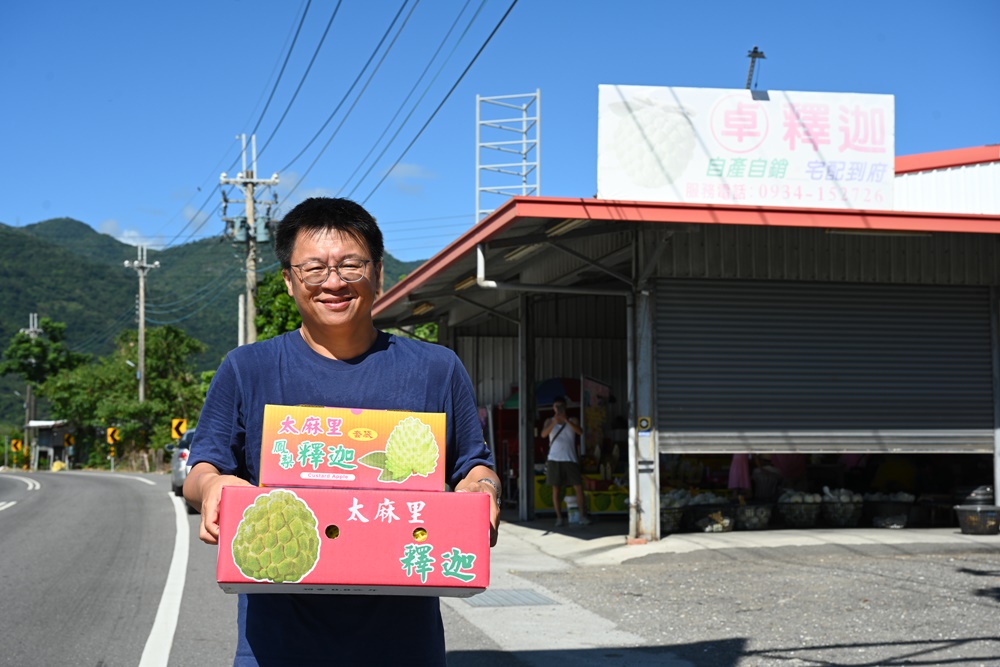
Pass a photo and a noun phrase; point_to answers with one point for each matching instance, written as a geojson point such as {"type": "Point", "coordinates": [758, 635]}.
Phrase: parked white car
{"type": "Point", "coordinates": [179, 462]}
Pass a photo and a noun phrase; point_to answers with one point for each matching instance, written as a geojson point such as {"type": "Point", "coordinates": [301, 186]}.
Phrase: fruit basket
{"type": "Point", "coordinates": [709, 518]}
{"type": "Point", "coordinates": [842, 514]}
{"type": "Point", "coordinates": [670, 519]}
{"type": "Point", "coordinates": [978, 519]}
{"type": "Point", "coordinates": [753, 516]}
{"type": "Point", "coordinates": [889, 513]}
{"type": "Point", "coordinates": [799, 515]}
{"type": "Point", "coordinates": [842, 508]}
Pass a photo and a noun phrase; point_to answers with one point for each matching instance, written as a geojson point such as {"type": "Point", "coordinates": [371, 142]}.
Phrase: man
{"type": "Point", "coordinates": [330, 252]}
{"type": "Point", "coordinates": [562, 467]}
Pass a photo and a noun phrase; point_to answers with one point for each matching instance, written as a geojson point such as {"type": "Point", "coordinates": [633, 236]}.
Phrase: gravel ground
{"type": "Point", "coordinates": [805, 606]}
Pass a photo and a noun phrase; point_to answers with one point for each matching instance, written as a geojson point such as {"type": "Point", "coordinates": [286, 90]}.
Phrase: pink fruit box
{"type": "Point", "coordinates": [305, 446]}
{"type": "Point", "coordinates": [353, 541]}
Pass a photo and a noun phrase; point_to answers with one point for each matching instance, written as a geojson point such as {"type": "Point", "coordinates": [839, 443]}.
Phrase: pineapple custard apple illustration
{"type": "Point", "coordinates": [277, 540]}
{"type": "Point", "coordinates": [654, 143]}
{"type": "Point", "coordinates": [411, 449]}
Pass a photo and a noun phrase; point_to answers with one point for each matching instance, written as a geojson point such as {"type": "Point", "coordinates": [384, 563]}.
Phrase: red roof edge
{"type": "Point", "coordinates": [958, 157]}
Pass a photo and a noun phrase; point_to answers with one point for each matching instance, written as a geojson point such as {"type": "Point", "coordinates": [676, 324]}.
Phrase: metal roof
{"type": "Point", "coordinates": [526, 231]}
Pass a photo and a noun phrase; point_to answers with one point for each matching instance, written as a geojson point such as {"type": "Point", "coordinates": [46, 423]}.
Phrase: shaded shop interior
{"type": "Point", "coordinates": [846, 349]}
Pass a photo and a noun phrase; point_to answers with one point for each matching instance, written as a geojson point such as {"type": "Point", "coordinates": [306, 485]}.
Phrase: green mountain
{"type": "Point", "coordinates": [64, 270]}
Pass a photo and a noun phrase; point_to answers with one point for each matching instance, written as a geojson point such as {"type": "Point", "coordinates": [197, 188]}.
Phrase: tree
{"type": "Point", "coordinates": [276, 311]}
{"type": "Point", "coordinates": [104, 394]}
{"type": "Point", "coordinates": [37, 358]}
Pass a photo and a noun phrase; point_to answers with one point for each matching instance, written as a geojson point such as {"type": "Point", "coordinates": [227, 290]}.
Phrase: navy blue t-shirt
{"type": "Point", "coordinates": [395, 374]}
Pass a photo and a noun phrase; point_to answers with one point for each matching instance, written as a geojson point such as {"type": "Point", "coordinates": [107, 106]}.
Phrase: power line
{"type": "Point", "coordinates": [217, 168]}
{"type": "Point", "coordinates": [219, 288]}
{"type": "Point", "coordinates": [437, 217]}
{"type": "Point", "coordinates": [198, 215]}
{"type": "Point", "coordinates": [410, 94]}
{"type": "Point", "coordinates": [349, 90]}
{"type": "Point", "coordinates": [356, 100]}
{"type": "Point", "coordinates": [93, 341]}
{"type": "Point", "coordinates": [190, 296]}
{"type": "Point", "coordinates": [439, 106]}
{"type": "Point", "coordinates": [191, 314]}
{"type": "Point", "coordinates": [281, 72]}
{"type": "Point", "coordinates": [301, 81]}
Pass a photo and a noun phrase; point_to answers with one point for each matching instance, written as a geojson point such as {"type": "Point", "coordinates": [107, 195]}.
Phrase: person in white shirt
{"type": "Point", "coordinates": [562, 467]}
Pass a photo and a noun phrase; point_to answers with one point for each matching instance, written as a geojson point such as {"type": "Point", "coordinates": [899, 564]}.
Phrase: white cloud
{"type": "Point", "coordinates": [195, 217]}
{"type": "Point", "coordinates": [409, 178]}
{"type": "Point", "coordinates": [290, 193]}
{"type": "Point", "coordinates": [110, 227]}
{"type": "Point", "coordinates": [134, 237]}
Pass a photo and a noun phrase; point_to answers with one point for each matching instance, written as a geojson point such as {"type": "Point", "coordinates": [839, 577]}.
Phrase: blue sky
{"type": "Point", "coordinates": [124, 114]}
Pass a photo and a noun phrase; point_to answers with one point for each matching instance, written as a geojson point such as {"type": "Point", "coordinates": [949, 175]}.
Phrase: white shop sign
{"type": "Point", "coordinates": [763, 148]}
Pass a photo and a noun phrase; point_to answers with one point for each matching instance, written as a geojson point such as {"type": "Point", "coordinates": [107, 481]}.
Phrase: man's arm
{"type": "Point", "coordinates": [203, 489]}
{"type": "Point", "coordinates": [474, 483]}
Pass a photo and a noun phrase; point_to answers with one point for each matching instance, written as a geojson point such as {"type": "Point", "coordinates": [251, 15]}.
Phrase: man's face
{"type": "Point", "coordinates": [559, 407]}
{"type": "Point", "coordinates": [334, 304]}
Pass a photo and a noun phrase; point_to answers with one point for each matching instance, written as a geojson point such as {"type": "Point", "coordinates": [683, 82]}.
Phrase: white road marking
{"type": "Point", "coordinates": [141, 479]}
{"type": "Point", "coordinates": [91, 473]}
{"type": "Point", "coordinates": [161, 637]}
{"type": "Point", "coordinates": [7, 505]}
{"type": "Point", "coordinates": [33, 484]}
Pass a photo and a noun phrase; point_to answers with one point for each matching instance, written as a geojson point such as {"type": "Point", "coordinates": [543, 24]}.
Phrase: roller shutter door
{"type": "Point", "coordinates": [747, 366]}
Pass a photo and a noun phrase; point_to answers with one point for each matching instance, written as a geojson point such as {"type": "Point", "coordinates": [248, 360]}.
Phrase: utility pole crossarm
{"type": "Point", "coordinates": [247, 181]}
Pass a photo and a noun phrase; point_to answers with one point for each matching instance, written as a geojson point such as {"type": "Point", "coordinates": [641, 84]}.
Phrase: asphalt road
{"type": "Point", "coordinates": [84, 568]}
{"type": "Point", "coordinates": [85, 577]}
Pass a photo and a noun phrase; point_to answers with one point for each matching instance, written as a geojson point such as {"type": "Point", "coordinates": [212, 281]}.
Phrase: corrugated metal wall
{"type": "Point", "coordinates": [776, 366]}
{"type": "Point", "coordinates": [782, 253]}
{"type": "Point", "coordinates": [971, 188]}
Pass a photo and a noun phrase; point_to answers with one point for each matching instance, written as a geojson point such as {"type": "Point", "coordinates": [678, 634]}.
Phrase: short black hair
{"type": "Point", "coordinates": [558, 399]}
{"type": "Point", "coordinates": [322, 213]}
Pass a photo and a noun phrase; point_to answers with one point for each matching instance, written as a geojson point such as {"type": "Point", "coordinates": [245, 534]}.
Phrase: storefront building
{"type": "Point", "coordinates": [724, 329]}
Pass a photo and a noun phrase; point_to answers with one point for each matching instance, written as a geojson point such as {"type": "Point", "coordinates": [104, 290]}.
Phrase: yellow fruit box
{"type": "Point", "coordinates": [353, 541]}
{"type": "Point", "coordinates": [352, 448]}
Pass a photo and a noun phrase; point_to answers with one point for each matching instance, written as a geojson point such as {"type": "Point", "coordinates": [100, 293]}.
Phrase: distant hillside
{"type": "Point", "coordinates": [64, 270]}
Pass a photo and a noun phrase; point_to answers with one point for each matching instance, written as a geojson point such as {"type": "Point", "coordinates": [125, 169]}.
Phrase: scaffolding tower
{"type": "Point", "coordinates": [508, 149]}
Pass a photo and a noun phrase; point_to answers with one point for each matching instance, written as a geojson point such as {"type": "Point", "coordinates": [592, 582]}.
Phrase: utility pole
{"type": "Point", "coordinates": [753, 56]}
{"type": "Point", "coordinates": [142, 268]}
{"type": "Point", "coordinates": [247, 229]}
{"type": "Point", "coordinates": [30, 446]}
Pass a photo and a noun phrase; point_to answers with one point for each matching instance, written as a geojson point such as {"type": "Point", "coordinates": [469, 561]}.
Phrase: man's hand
{"type": "Point", "coordinates": [473, 484]}
{"type": "Point", "coordinates": [203, 489]}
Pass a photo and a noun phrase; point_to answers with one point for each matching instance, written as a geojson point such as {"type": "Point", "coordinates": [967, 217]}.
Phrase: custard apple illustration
{"type": "Point", "coordinates": [411, 449]}
{"type": "Point", "coordinates": [277, 540]}
{"type": "Point", "coordinates": [654, 144]}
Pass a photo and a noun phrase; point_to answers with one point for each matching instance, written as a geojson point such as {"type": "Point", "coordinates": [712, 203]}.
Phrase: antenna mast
{"type": "Point", "coordinates": [753, 55]}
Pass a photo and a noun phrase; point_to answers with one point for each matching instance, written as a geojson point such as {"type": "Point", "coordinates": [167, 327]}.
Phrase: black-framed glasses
{"type": "Point", "coordinates": [316, 272]}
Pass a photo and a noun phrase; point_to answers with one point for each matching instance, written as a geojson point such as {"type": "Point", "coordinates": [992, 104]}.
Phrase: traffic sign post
{"type": "Point", "coordinates": [15, 446]}
{"type": "Point", "coordinates": [113, 438]}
